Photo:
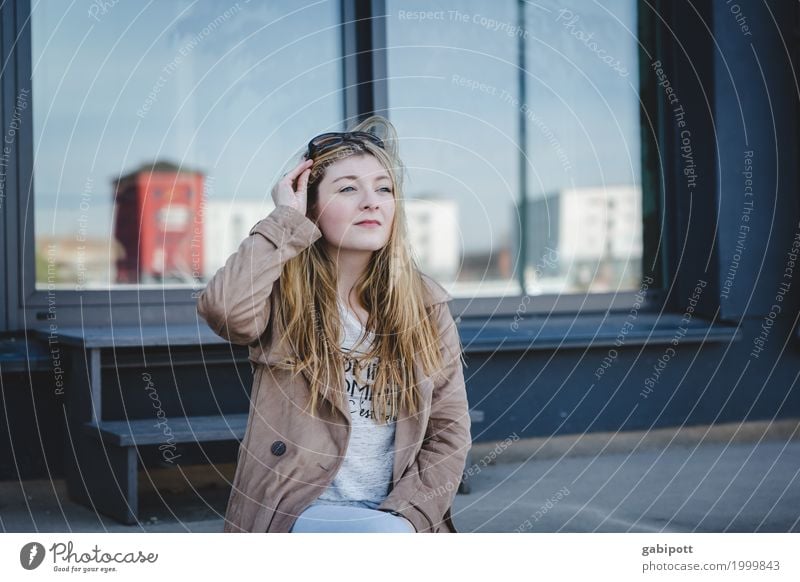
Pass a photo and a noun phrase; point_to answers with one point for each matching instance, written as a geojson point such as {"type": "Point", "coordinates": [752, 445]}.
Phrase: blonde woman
{"type": "Point", "coordinates": [358, 419]}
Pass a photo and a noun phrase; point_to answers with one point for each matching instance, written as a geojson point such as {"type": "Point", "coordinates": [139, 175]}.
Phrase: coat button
{"type": "Point", "coordinates": [278, 448]}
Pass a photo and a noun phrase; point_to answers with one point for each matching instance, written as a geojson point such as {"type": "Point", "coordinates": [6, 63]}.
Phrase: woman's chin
{"type": "Point", "coordinates": [365, 244]}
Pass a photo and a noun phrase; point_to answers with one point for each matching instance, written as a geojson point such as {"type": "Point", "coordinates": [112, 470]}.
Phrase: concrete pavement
{"type": "Point", "coordinates": [726, 478]}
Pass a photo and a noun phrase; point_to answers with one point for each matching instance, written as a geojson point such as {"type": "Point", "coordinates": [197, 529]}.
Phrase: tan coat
{"type": "Point", "coordinates": [287, 457]}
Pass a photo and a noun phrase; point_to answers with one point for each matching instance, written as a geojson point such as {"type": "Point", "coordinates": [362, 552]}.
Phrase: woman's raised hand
{"type": "Point", "coordinates": [288, 193]}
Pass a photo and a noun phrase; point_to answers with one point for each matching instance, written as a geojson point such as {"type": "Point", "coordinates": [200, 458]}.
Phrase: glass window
{"type": "Point", "coordinates": [159, 129]}
{"type": "Point", "coordinates": [455, 98]}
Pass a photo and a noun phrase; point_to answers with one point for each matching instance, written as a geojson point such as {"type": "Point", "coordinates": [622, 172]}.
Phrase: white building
{"type": "Point", "coordinates": [435, 236]}
{"type": "Point", "coordinates": [595, 233]}
{"type": "Point", "coordinates": [601, 223]}
{"type": "Point", "coordinates": [226, 224]}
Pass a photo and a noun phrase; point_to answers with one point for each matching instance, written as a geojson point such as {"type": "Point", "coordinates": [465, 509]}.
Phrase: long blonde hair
{"type": "Point", "coordinates": [391, 289]}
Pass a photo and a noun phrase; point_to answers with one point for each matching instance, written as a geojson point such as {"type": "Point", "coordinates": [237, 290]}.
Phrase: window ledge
{"type": "Point", "coordinates": [589, 330]}
{"type": "Point", "coordinates": [124, 336]}
{"type": "Point", "coordinates": [478, 334]}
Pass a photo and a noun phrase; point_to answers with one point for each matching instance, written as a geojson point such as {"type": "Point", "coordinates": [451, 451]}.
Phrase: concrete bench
{"type": "Point", "coordinates": [17, 355]}
{"type": "Point", "coordinates": [131, 433]}
{"type": "Point", "coordinates": [110, 407]}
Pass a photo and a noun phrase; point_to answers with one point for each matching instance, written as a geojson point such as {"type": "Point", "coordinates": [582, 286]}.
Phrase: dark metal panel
{"type": "Point", "coordinates": [757, 97]}
{"type": "Point", "coordinates": [691, 210]}
{"type": "Point", "coordinates": [543, 393]}
{"type": "Point", "coordinates": [364, 59]}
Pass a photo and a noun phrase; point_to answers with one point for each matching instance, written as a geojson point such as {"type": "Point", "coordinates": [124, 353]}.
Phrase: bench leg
{"type": "Point", "coordinates": [101, 476]}
{"type": "Point", "coordinates": [104, 478]}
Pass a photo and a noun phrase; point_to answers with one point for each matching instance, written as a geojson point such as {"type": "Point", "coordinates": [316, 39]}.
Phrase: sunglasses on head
{"type": "Point", "coordinates": [326, 141]}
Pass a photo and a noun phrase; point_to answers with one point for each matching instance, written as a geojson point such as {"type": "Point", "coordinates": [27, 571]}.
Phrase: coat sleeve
{"type": "Point", "coordinates": [235, 302]}
{"type": "Point", "coordinates": [426, 490]}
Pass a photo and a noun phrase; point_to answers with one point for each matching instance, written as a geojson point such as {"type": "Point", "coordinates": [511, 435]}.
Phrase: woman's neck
{"type": "Point", "coordinates": [350, 265]}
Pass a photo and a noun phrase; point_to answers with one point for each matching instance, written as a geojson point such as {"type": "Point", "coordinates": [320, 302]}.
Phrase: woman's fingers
{"type": "Point", "coordinates": [291, 189]}
{"type": "Point", "coordinates": [302, 183]}
{"type": "Point", "coordinates": [291, 175]}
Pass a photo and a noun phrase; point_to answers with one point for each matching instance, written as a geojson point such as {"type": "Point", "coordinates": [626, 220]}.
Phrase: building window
{"type": "Point", "coordinates": [135, 106]}
{"type": "Point", "coordinates": [455, 97]}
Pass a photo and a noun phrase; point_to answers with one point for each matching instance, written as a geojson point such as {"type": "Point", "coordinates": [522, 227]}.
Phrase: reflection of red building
{"type": "Point", "coordinates": [158, 210]}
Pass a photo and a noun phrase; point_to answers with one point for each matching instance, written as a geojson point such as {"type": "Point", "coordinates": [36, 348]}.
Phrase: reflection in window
{"type": "Point", "coordinates": [159, 130]}
{"type": "Point", "coordinates": [454, 96]}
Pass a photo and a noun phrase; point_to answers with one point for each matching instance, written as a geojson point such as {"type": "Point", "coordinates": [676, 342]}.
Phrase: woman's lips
{"type": "Point", "coordinates": [369, 224]}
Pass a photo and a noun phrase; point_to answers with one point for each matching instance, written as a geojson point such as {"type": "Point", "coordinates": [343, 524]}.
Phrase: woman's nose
{"type": "Point", "coordinates": [371, 198]}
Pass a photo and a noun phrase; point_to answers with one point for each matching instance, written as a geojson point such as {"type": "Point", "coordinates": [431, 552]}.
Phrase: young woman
{"type": "Point", "coordinates": [358, 418]}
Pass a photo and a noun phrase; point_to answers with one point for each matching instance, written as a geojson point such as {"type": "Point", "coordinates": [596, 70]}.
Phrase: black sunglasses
{"type": "Point", "coordinates": [326, 141]}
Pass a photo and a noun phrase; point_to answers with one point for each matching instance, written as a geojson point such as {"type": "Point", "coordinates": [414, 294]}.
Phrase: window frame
{"type": "Point", "coordinates": [365, 92]}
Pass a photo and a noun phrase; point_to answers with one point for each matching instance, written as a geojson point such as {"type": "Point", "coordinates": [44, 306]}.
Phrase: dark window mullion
{"type": "Point", "coordinates": [18, 240]}
{"type": "Point", "coordinates": [4, 214]}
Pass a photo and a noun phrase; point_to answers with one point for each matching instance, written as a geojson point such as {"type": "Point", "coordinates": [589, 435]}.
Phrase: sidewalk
{"type": "Point", "coordinates": [729, 478]}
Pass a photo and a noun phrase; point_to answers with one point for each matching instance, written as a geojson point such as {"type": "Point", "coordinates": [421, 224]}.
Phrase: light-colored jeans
{"type": "Point", "coordinates": [347, 519]}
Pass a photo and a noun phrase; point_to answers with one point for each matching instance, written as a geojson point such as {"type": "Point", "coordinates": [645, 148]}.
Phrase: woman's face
{"type": "Point", "coordinates": [353, 190]}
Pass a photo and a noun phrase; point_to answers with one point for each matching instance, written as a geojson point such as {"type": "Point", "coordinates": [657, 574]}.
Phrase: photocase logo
{"type": "Point", "coordinates": [31, 555]}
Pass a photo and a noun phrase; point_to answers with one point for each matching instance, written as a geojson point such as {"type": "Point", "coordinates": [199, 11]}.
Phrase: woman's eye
{"type": "Point", "coordinates": [386, 189]}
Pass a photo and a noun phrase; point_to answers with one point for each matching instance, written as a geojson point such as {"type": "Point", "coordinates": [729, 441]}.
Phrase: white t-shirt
{"type": "Point", "coordinates": [365, 474]}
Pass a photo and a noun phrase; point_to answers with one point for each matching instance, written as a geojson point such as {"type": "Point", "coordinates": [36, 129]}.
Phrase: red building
{"type": "Point", "coordinates": [158, 222]}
